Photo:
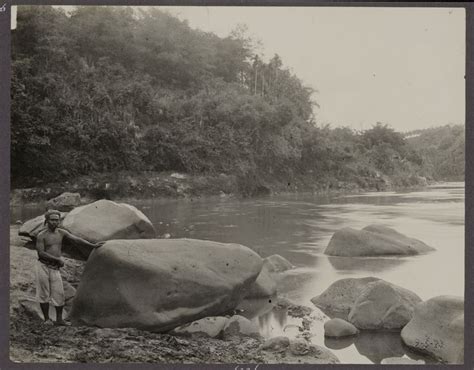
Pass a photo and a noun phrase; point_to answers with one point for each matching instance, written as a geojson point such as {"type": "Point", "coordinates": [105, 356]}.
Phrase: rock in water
{"type": "Point", "coordinates": [336, 328]}
{"type": "Point", "coordinates": [64, 202]}
{"type": "Point", "coordinates": [159, 284]}
{"type": "Point", "coordinates": [373, 240]}
{"type": "Point", "coordinates": [267, 281]}
{"type": "Point", "coordinates": [277, 263]}
{"type": "Point", "coordinates": [382, 305]}
{"type": "Point", "coordinates": [264, 286]}
{"type": "Point", "coordinates": [437, 328]}
{"type": "Point", "coordinates": [106, 220]}
{"type": "Point", "coordinates": [340, 296]}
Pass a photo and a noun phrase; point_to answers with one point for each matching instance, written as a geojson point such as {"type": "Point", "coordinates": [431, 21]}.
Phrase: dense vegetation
{"type": "Point", "coordinates": [442, 150]}
{"type": "Point", "coordinates": [108, 89]}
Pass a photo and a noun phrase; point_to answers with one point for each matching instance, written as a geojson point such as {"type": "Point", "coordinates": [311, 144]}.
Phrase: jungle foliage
{"type": "Point", "coordinates": [108, 89]}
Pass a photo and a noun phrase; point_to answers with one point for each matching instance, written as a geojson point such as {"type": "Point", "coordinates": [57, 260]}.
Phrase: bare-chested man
{"type": "Point", "coordinates": [49, 283]}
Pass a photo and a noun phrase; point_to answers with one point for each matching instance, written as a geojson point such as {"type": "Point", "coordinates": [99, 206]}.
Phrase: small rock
{"type": "Point", "coordinates": [299, 347]}
{"type": "Point", "coordinates": [401, 361]}
{"type": "Point", "coordinates": [277, 263]}
{"type": "Point", "coordinates": [239, 326]}
{"type": "Point", "coordinates": [264, 286]}
{"type": "Point", "coordinates": [339, 328]}
{"type": "Point", "coordinates": [277, 344]}
{"type": "Point", "coordinates": [209, 326]}
{"type": "Point", "coordinates": [293, 309]}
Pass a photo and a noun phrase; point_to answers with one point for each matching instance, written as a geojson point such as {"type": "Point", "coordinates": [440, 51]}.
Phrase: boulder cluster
{"type": "Point", "coordinates": [434, 327]}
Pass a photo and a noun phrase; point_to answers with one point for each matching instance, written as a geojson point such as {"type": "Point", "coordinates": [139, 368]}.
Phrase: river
{"type": "Point", "coordinates": [299, 227]}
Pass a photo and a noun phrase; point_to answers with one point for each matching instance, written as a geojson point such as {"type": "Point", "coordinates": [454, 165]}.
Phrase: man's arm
{"type": "Point", "coordinates": [43, 254]}
{"type": "Point", "coordinates": [79, 240]}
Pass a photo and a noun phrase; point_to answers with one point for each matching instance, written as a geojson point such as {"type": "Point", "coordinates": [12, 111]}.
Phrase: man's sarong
{"type": "Point", "coordinates": [49, 285]}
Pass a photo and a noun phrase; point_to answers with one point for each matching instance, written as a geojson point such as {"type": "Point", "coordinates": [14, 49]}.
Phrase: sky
{"type": "Point", "coordinates": [400, 66]}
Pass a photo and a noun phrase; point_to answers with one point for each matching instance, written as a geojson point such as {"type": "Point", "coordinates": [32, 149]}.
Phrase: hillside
{"type": "Point", "coordinates": [111, 90]}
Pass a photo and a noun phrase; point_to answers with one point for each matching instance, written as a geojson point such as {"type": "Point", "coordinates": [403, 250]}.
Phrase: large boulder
{"type": "Point", "coordinates": [106, 220]}
{"type": "Point", "coordinates": [208, 327]}
{"type": "Point", "coordinates": [437, 328]}
{"type": "Point", "coordinates": [64, 202]}
{"type": "Point", "coordinates": [159, 284]}
{"type": "Point", "coordinates": [337, 300]}
{"type": "Point", "coordinates": [373, 240]}
{"type": "Point", "coordinates": [336, 328]}
{"type": "Point", "coordinates": [368, 303]}
{"type": "Point", "coordinates": [382, 305]}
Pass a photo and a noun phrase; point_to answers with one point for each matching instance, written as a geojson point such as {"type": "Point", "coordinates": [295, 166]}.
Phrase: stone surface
{"type": "Point", "coordinates": [293, 309]}
{"type": "Point", "coordinates": [239, 326]}
{"type": "Point", "coordinates": [337, 300]}
{"type": "Point", "coordinates": [382, 305]}
{"type": "Point", "coordinates": [437, 328]}
{"type": "Point", "coordinates": [299, 347]}
{"type": "Point", "coordinates": [401, 361]}
{"type": "Point", "coordinates": [64, 202]}
{"type": "Point", "coordinates": [160, 284]}
{"type": "Point", "coordinates": [208, 326]}
{"type": "Point", "coordinates": [264, 286]}
{"type": "Point", "coordinates": [276, 344]}
{"type": "Point", "coordinates": [106, 220]}
{"type": "Point", "coordinates": [373, 240]}
{"type": "Point", "coordinates": [277, 263]}
{"type": "Point", "coordinates": [300, 351]}
{"type": "Point", "coordinates": [337, 328]}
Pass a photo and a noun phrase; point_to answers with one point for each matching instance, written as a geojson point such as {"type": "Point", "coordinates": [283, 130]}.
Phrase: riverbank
{"type": "Point", "coordinates": [148, 185]}
{"type": "Point", "coordinates": [31, 341]}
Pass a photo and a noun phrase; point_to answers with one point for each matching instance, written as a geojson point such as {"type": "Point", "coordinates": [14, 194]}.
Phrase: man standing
{"type": "Point", "coordinates": [48, 278]}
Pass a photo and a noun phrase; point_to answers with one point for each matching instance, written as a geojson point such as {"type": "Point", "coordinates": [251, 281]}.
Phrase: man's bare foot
{"type": "Point", "coordinates": [63, 323]}
{"type": "Point", "coordinates": [48, 322]}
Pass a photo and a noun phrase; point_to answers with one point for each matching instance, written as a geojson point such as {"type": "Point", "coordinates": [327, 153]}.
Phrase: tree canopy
{"type": "Point", "coordinates": [105, 89]}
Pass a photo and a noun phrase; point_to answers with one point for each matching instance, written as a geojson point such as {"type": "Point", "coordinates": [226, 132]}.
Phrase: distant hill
{"type": "Point", "coordinates": [442, 151]}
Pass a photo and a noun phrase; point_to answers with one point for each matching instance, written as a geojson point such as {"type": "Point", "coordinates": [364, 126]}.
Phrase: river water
{"type": "Point", "coordinates": [299, 227]}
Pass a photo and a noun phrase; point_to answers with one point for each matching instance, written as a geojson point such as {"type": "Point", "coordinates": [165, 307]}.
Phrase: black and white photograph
{"type": "Point", "coordinates": [237, 185]}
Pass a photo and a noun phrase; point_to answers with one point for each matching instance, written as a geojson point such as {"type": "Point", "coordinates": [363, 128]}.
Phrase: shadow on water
{"type": "Point", "coordinates": [376, 346]}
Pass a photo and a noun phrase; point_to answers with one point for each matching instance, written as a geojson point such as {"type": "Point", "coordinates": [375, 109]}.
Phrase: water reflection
{"type": "Point", "coordinates": [375, 346]}
{"type": "Point", "coordinates": [372, 264]}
